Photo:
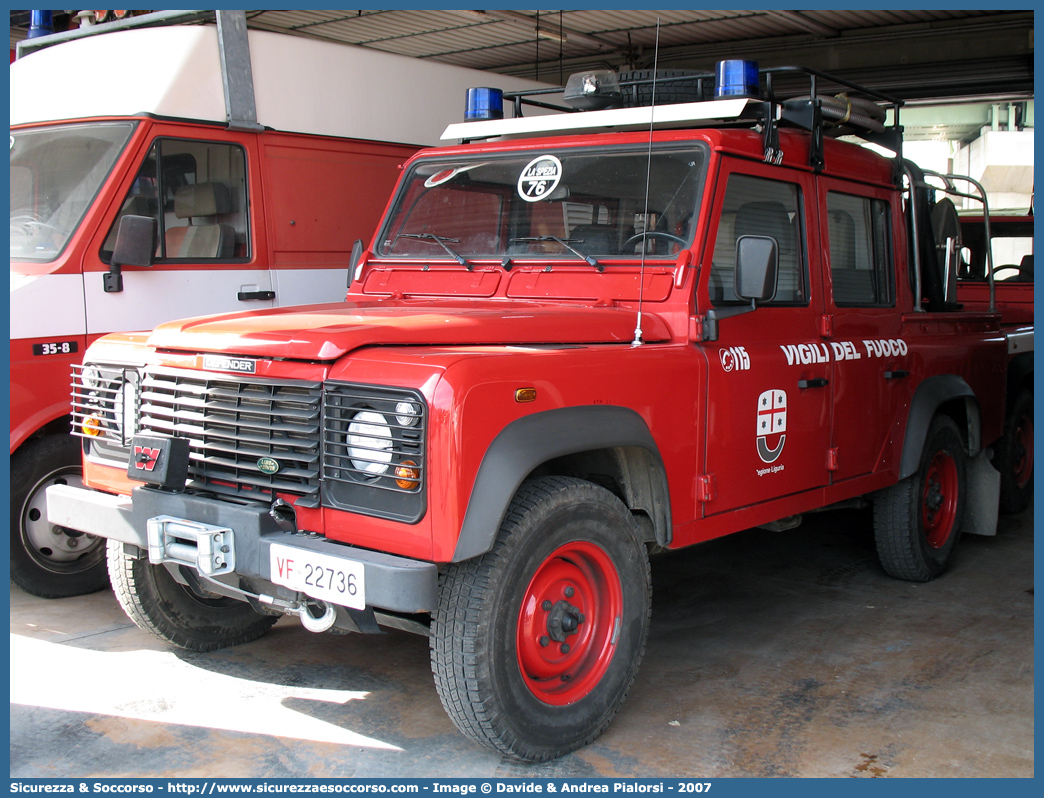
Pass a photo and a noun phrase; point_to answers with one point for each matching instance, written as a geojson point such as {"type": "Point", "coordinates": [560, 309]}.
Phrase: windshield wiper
{"type": "Point", "coordinates": [589, 259]}
{"type": "Point", "coordinates": [441, 241]}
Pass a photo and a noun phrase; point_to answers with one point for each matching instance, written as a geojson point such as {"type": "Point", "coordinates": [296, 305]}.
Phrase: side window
{"type": "Point", "coordinates": [756, 206]}
{"type": "Point", "coordinates": [196, 193]}
{"type": "Point", "coordinates": [860, 254]}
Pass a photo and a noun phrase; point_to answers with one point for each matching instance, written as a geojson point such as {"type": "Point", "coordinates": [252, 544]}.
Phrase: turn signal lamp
{"type": "Point", "coordinates": [525, 395]}
{"type": "Point", "coordinates": [405, 477]}
{"type": "Point", "coordinates": [736, 79]}
{"type": "Point", "coordinates": [483, 103]}
{"type": "Point", "coordinates": [91, 426]}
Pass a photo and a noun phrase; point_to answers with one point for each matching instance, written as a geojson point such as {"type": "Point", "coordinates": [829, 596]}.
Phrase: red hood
{"type": "Point", "coordinates": [325, 332]}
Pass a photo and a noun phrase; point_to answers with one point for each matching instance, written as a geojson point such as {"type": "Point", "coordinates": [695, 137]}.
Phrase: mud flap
{"type": "Point", "coordinates": [983, 504]}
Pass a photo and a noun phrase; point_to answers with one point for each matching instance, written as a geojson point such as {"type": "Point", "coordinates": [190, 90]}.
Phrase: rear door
{"type": "Point", "coordinates": [870, 360]}
{"type": "Point", "coordinates": [768, 424]}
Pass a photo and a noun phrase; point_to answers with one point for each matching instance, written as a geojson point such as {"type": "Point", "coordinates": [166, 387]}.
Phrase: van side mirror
{"type": "Point", "coordinates": [134, 247]}
{"type": "Point", "coordinates": [757, 263]}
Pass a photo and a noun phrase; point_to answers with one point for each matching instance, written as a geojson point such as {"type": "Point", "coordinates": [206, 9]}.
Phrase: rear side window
{"type": "Point", "coordinates": [196, 193]}
{"type": "Point", "coordinates": [860, 253]}
{"type": "Point", "coordinates": [756, 206]}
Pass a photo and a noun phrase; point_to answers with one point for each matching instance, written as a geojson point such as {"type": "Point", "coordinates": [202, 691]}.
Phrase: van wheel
{"type": "Point", "coordinates": [1014, 458]}
{"type": "Point", "coordinates": [194, 621]}
{"type": "Point", "coordinates": [48, 560]}
{"type": "Point", "coordinates": [918, 520]}
{"type": "Point", "coordinates": [535, 644]}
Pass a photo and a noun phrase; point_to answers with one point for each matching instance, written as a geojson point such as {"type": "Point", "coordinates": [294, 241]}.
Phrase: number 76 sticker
{"type": "Point", "coordinates": [539, 178]}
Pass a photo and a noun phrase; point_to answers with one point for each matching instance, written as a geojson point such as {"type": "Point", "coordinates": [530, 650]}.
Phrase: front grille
{"type": "Point", "coordinates": [234, 426]}
{"type": "Point", "coordinates": [104, 404]}
{"type": "Point", "coordinates": [374, 458]}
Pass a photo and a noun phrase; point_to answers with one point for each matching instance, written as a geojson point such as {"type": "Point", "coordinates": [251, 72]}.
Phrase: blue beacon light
{"type": "Point", "coordinates": [736, 79]}
{"type": "Point", "coordinates": [483, 103]}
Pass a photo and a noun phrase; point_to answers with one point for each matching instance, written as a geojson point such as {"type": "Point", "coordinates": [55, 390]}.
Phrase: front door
{"type": "Point", "coordinates": [768, 423]}
{"type": "Point", "coordinates": [207, 258]}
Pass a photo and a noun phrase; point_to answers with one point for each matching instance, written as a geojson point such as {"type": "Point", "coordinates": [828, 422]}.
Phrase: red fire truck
{"type": "Point", "coordinates": [1004, 248]}
{"type": "Point", "coordinates": [247, 212]}
{"type": "Point", "coordinates": [573, 338]}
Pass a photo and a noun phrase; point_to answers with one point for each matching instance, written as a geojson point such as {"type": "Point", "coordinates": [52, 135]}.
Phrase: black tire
{"type": "Point", "coordinates": [917, 521]}
{"type": "Point", "coordinates": [676, 91]}
{"type": "Point", "coordinates": [539, 685]}
{"type": "Point", "coordinates": [47, 560]}
{"type": "Point", "coordinates": [1014, 455]}
{"type": "Point", "coordinates": [158, 604]}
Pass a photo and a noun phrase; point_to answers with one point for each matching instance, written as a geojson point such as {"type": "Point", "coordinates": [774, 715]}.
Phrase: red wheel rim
{"type": "Point", "coordinates": [939, 502]}
{"type": "Point", "coordinates": [1022, 461]}
{"type": "Point", "coordinates": [568, 623]}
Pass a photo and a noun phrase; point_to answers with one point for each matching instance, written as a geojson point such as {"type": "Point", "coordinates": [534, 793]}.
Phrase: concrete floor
{"type": "Point", "coordinates": [771, 654]}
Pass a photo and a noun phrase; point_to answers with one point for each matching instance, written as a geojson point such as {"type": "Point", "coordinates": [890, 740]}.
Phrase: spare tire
{"type": "Point", "coordinates": [677, 91]}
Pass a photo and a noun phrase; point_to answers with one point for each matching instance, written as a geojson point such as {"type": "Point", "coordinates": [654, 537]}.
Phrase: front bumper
{"type": "Point", "coordinates": [394, 584]}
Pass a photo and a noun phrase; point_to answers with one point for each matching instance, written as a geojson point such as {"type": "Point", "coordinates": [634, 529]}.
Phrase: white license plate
{"type": "Point", "coordinates": [319, 575]}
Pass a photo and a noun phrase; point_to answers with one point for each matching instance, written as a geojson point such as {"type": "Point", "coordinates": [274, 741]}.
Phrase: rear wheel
{"type": "Point", "coordinates": [535, 644]}
{"type": "Point", "coordinates": [917, 521]}
{"type": "Point", "coordinates": [1014, 457]}
{"type": "Point", "coordinates": [49, 560]}
{"type": "Point", "coordinates": [188, 619]}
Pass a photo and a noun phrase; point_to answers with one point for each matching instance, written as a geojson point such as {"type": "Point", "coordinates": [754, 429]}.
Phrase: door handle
{"type": "Point", "coordinates": [245, 295]}
{"type": "Point", "coordinates": [898, 374]}
{"type": "Point", "coordinates": [818, 382]}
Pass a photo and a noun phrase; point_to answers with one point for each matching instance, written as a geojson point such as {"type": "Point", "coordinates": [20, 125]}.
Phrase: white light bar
{"type": "Point", "coordinates": [586, 120]}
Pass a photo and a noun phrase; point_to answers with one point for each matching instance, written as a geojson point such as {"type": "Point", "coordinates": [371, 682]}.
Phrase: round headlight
{"type": "Point", "coordinates": [90, 377]}
{"type": "Point", "coordinates": [369, 442]}
{"type": "Point", "coordinates": [406, 414]}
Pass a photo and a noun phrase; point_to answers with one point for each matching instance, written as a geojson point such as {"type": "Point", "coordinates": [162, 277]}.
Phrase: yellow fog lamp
{"type": "Point", "coordinates": [92, 426]}
{"type": "Point", "coordinates": [406, 477]}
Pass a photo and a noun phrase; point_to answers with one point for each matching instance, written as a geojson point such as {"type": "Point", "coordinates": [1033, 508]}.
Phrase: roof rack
{"type": "Point", "coordinates": [860, 115]}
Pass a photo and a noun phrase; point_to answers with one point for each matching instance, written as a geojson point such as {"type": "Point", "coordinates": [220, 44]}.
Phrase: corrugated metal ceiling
{"type": "Point", "coordinates": [498, 40]}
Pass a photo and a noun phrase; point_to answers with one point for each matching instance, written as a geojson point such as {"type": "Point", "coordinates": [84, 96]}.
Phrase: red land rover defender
{"type": "Point", "coordinates": [573, 338]}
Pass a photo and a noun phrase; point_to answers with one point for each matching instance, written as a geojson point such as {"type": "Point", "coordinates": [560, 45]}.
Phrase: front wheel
{"type": "Point", "coordinates": [917, 521]}
{"type": "Point", "coordinates": [188, 619]}
{"type": "Point", "coordinates": [534, 645]}
{"type": "Point", "coordinates": [48, 560]}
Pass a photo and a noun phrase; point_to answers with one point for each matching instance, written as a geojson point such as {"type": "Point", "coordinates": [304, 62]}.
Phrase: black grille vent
{"type": "Point", "coordinates": [374, 458]}
{"type": "Point", "coordinates": [236, 428]}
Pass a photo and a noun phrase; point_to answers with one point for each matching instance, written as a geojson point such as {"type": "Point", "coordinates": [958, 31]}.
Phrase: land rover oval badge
{"type": "Point", "coordinates": [267, 465]}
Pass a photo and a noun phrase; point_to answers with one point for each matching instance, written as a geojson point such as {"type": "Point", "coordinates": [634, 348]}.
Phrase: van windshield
{"type": "Point", "coordinates": [56, 173]}
{"type": "Point", "coordinates": [557, 203]}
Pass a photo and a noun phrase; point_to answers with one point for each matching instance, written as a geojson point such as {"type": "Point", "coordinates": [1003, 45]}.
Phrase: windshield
{"type": "Point", "coordinates": [577, 204]}
{"type": "Point", "coordinates": [55, 174]}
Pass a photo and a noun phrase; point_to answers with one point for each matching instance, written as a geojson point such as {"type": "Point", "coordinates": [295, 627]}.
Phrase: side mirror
{"type": "Point", "coordinates": [134, 247]}
{"type": "Point", "coordinates": [757, 263]}
{"type": "Point", "coordinates": [354, 260]}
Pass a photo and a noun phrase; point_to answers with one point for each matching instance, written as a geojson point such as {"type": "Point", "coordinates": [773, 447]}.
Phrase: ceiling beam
{"type": "Point", "coordinates": [802, 21]}
{"type": "Point", "coordinates": [548, 32]}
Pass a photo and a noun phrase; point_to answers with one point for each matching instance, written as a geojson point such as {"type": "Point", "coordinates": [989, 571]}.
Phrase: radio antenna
{"type": "Point", "coordinates": [648, 171]}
